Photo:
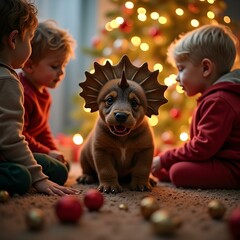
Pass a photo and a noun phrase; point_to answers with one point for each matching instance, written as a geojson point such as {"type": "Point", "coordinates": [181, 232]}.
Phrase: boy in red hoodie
{"type": "Point", "coordinates": [204, 58]}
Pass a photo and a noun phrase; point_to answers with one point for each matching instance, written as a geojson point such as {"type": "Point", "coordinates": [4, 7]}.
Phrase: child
{"type": "Point", "coordinates": [211, 158]}
{"type": "Point", "coordinates": [52, 49]}
{"type": "Point", "coordinates": [18, 168]}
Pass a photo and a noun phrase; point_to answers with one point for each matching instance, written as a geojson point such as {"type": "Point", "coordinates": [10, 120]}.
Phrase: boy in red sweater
{"type": "Point", "coordinates": [52, 48]}
{"type": "Point", "coordinates": [211, 158]}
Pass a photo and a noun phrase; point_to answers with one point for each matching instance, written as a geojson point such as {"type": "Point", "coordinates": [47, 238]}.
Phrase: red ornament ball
{"type": "Point", "coordinates": [126, 26]}
{"type": "Point", "coordinates": [154, 32]}
{"type": "Point", "coordinates": [193, 8]}
{"type": "Point", "coordinates": [69, 209]}
{"type": "Point", "coordinates": [93, 200]}
{"type": "Point", "coordinates": [175, 113]}
{"type": "Point", "coordinates": [234, 223]}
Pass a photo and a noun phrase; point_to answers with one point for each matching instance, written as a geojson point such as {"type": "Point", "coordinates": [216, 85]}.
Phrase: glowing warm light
{"type": "Point", "coordinates": [158, 66]}
{"type": "Point", "coordinates": [179, 11]}
{"type": "Point", "coordinates": [87, 109]}
{"type": "Point", "coordinates": [210, 15]}
{"type": "Point", "coordinates": [136, 41]}
{"type": "Point", "coordinates": [227, 19]}
{"type": "Point", "coordinates": [169, 81]}
{"type": "Point", "coordinates": [119, 20]}
{"type": "Point", "coordinates": [109, 60]}
{"type": "Point", "coordinates": [162, 20]}
{"type": "Point", "coordinates": [183, 136]}
{"type": "Point", "coordinates": [194, 22]}
{"type": "Point", "coordinates": [154, 15]}
{"type": "Point", "coordinates": [129, 5]}
{"type": "Point", "coordinates": [108, 27]}
{"type": "Point", "coordinates": [179, 89]}
{"type": "Point", "coordinates": [144, 47]}
{"type": "Point", "coordinates": [114, 24]}
{"type": "Point", "coordinates": [142, 17]}
{"type": "Point", "coordinates": [141, 10]}
{"type": "Point", "coordinates": [78, 139]}
{"type": "Point", "coordinates": [153, 121]}
{"type": "Point", "coordinates": [211, 1]}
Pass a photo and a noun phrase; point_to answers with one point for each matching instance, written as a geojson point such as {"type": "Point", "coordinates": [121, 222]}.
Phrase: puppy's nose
{"type": "Point", "coordinates": [121, 117]}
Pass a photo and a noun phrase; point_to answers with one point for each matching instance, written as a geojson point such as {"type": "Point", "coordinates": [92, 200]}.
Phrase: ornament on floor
{"type": "Point", "coordinates": [93, 200]}
{"type": "Point", "coordinates": [234, 223]}
{"type": "Point", "coordinates": [216, 209]}
{"type": "Point", "coordinates": [148, 206]}
{"type": "Point", "coordinates": [35, 219]}
{"type": "Point", "coordinates": [4, 196]}
{"type": "Point", "coordinates": [69, 209]}
{"type": "Point", "coordinates": [123, 207]}
{"type": "Point", "coordinates": [163, 223]}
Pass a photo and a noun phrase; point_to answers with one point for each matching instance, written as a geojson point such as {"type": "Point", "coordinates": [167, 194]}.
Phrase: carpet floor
{"type": "Point", "coordinates": [113, 223]}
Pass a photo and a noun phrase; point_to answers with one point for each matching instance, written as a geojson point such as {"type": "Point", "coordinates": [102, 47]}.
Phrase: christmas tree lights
{"type": "Point", "coordinates": [143, 30]}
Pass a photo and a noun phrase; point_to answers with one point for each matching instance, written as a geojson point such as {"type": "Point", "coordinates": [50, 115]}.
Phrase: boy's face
{"type": "Point", "coordinates": [49, 71]}
{"type": "Point", "coordinates": [190, 77]}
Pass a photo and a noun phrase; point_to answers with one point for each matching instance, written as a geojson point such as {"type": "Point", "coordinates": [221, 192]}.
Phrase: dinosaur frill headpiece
{"type": "Point", "coordinates": [124, 70]}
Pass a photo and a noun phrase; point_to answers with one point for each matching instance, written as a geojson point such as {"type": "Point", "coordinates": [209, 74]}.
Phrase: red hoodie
{"type": "Point", "coordinates": [215, 127]}
{"type": "Point", "coordinates": [36, 127]}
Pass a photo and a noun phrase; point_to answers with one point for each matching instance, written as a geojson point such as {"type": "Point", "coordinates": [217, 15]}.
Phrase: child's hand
{"type": "Point", "coordinates": [156, 166]}
{"type": "Point", "coordinates": [53, 189]}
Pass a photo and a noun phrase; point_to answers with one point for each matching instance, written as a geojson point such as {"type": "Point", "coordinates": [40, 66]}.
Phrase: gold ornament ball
{"type": "Point", "coordinates": [148, 206]}
{"type": "Point", "coordinates": [216, 209]}
{"type": "Point", "coordinates": [162, 222]}
{"type": "Point", "coordinates": [35, 219]}
{"type": "Point", "coordinates": [4, 196]}
{"type": "Point", "coordinates": [123, 206]}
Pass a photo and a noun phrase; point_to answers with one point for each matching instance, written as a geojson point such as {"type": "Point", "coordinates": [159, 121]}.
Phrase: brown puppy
{"type": "Point", "coordinates": [121, 143]}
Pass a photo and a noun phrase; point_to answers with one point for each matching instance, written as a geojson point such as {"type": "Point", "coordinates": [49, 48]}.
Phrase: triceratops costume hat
{"type": "Point", "coordinates": [127, 71]}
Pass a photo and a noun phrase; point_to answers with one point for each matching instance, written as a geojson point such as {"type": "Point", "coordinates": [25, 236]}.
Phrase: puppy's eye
{"type": "Point", "coordinates": [134, 103]}
{"type": "Point", "coordinates": [109, 101]}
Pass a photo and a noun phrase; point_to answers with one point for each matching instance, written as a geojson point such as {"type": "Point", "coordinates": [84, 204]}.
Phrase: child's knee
{"type": "Point", "coordinates": [21, 179]}
{"type": "Point", "coordinates": [177, 175]}
{"type": "Point", "coordinates": [61, 175]}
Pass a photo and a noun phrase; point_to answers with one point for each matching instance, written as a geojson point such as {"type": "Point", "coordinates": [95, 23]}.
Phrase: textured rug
{"type": "Point", "coordinates": [113, 223]}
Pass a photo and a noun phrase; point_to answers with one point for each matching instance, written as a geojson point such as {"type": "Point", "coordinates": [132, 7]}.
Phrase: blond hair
{"type": "Point", "coordinates": [215, 42]}
{"type": "Point", "coordinates": [18, 15]}
{"type": "Point", "coordinates": [50, 38]}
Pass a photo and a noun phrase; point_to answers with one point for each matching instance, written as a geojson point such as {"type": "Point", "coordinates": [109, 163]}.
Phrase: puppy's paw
{"type": "Point", "coordinates": [86, 179]}
{"type": "Point", "coordinates": [110, 188]}
{"type": "Point", "coordinates": [141, 187]}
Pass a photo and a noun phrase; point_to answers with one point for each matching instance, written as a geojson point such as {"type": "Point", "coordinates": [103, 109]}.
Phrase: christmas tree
{"type": "Point", "coordinates": [143, 30]}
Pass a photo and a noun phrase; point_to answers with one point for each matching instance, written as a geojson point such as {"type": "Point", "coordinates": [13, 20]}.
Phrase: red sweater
{"type": "Point", "coordinates": [215, 128]}
{"type": "Point", "coordinates": [36, 127]}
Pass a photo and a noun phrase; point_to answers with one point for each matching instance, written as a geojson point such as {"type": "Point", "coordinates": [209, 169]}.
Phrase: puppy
{"type": "Point", "coordinates": [121, 144]}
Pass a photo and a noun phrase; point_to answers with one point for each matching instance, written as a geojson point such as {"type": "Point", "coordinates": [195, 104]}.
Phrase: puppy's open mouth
{"type": "Point", "coordinates": [119, 130]}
